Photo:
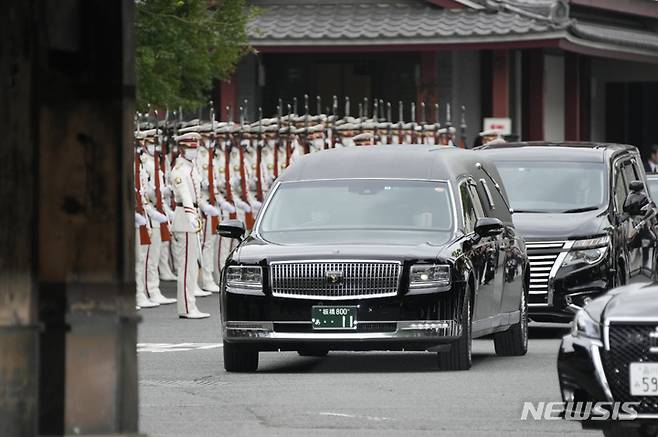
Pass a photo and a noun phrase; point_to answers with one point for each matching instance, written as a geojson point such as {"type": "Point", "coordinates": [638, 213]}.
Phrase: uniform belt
{"type": "Point", "coordinates": [181, 205]}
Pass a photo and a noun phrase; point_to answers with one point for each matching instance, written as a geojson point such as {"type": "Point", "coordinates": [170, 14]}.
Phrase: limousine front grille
{"type": "Point", "coordinates": [543, 255]}
{"type": "Point", "coordinates": [628, 344]}
{"type": "Point", "coordinates": [335, 280]}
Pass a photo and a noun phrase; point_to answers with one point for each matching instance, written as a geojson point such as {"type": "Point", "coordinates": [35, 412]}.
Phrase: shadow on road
{"type": "Point", "coordinates": [547, 333]}
{"type": "Point", "coordinates": [359, 362]}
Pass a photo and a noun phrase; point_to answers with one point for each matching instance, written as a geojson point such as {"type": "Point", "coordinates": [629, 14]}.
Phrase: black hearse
{"type": "Point", "coordinates": [611, 356]}
{"type": "Point", "coordinates": [586, 218]}
{"type": "Point", "coordinates": [377, 248]}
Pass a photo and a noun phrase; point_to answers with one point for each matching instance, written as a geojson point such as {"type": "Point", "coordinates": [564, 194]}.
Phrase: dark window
{"type": "Point", "coordinates": [471, 205]}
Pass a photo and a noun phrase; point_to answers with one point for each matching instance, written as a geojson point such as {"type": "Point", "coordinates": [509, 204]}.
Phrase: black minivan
{"type": "Point", "coordinates": [588, 222]}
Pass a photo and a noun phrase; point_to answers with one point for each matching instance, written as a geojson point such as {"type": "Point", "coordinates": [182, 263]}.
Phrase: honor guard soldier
{"type": "Point", "coordinates": [143, 231]}
{"type": "Point", "coordinates": [491, 136]}
{"type": "Point", "coordinates": [364, 139]}
{"type": "Point", "coordinates": [186, 184]}
{"type": "Point", "coordinates": [151, 186]}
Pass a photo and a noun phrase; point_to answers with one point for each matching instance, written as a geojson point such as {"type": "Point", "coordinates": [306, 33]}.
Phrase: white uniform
{"type": "Point", "coordinates": [186, 183]}
{"type": "Point", "coordinates": [208, 238]}
{"type": "Point", "coordinates": [141, 251]}
{"type": "Point", "coordinates": [167, 265]}
{"type": "Point", "coordinates": [152, 277]}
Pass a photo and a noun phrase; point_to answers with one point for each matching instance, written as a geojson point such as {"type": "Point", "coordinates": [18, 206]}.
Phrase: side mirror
{"type": "Point", "coordinates": [488, 227]}
{"type": "Point", "coordinates": [636, 200]}
{"type": "Point", "coordinates": [231, 229]}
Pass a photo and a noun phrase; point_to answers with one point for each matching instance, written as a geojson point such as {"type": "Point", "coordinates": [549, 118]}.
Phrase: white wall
{"type": "Point", "coordinates": [610, 70]}
{"type": "Point", "coordinates": [553, 97]}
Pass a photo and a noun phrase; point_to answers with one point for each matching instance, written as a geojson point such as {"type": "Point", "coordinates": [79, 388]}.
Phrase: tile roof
{"type": "Point", "coordinates": [363, 22]}
{"type": "Point", "coordinates": [286, 23]}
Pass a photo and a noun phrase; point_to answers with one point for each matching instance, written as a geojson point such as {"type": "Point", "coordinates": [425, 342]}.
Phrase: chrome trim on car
{"type": "Point", "coordinates": [305, 279]}
{"type": "Point", "coordinates": [554, 270]}
{"type": "Point", "coordinates": [406, 330]}
{"type": "Point", "coordinates": [599, 373]}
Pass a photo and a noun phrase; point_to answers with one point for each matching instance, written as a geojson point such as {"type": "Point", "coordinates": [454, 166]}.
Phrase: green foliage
{"type": "Point", "coordinates": [183, 45]}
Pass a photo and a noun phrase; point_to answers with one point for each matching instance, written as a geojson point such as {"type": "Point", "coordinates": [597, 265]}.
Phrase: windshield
{"type": "Point", "coordinates": [554, 187]}
{"type": "Point", "coordinates": [370, 211]}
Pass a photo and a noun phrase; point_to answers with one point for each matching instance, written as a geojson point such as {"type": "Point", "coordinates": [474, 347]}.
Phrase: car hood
{"type": "Point", "coordinates": [254, 251]}
{"type": "Point", "coordinates": [638, 301]}
{"type": "Point", "coordinates": [559, 226]}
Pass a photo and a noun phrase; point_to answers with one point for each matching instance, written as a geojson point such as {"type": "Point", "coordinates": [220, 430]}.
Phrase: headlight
{"type": "Point", "coordinates": [588, 252]}
{"type": "Point", "coordinates": [428, 278]}
{"type": "Point", "coordinates": [591, 243]}
{"type": "Point", "coordinates": [245, 279]}
{"type": "Point", "coordinates": [583, 325]}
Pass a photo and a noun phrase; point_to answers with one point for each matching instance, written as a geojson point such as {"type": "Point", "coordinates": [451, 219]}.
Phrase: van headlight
{"type": "Point", "coordinates": [429, 278]}
{"type": "Point", "coordinates": [245, 280]}
{"type": "Point", "coordinates": [587, 252]}
{"type": "Point", "coordinates": [583, 325]}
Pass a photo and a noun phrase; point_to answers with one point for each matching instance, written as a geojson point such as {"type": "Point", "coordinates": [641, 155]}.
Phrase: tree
{"type": "Point", "coordinates": [183, 45]}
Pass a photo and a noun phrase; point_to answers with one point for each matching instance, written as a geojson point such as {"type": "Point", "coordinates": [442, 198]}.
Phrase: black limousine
{"type": "Point", "coordinates": [611, 356]}
{"type": "Point", "coordinates": [584, 212]}
{"type": "Point", "coordinates": [377, 248]}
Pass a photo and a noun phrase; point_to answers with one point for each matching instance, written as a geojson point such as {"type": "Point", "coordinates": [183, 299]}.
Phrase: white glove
{"type": "Point", "coordinates": [165, 190]}
{"type": "Point", "coordinates": [170, 214]}
{"type": "Point", "coordinates": [193, 220]}
{"type": "Point", "coordinates": [140, 220]}
{"type": "Point", "coordinates": [158, 216]}
{"type": "Point", "coordinates": [256, 205]}
{"type": "Point", "coordinates": [209, 210]}
{"type": "Point", "coordinates": [242, 205]}
{"type": "Point", "coordinates": [205, 184]}
{"type": "Point", "coordinates": [226, 206]}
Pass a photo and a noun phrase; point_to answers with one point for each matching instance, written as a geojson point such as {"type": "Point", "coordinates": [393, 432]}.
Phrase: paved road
{"type": "Point", "coordinates": [184, 390]}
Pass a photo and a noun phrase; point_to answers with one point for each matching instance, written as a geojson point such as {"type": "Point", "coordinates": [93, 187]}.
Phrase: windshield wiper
{"type": "Point", "coordinates": [583, 209]}
{"type": "Point", "coordinates": [529, 211]}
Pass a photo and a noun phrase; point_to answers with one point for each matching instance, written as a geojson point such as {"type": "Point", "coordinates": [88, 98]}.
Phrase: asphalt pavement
{"type": "Point", "coordinates": [184, 390]}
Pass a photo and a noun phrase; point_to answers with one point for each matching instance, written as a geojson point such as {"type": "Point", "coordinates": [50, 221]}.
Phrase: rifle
{"type": "Point", "coordinates": [212, 198]}
{"type": "Point", "coordinates": [375, 117]}
{"type": "Point", "coordinates": [334, 112]}
{"type": "Point", "coordinates": [400, 116]}
{"type": "Point", "coordinates": [389, 123]}
{"type": "Point", "coordinates": [307, 148]}
{"type": "Point", "coordinates": [277, 143]}
{"type": "Point", "coordinates": [165, 235]}
{"type": "Point", "coordinates": [259, 182]}
{"type": "Point", "coordinates": [144, 238]}
{"type": "Point", "coordinates": [290, 137]}
{"type": "Point", "coordinates": [414, 140]}
{"type": "Point", "coordinates": [437, 124]}
{"type": "Point", "coordinates": [462, 128]}
{"type": "Point", "coordinates": [249, 215]}
{"type": "Point", "coordinates": [227, 164]}
{"type": "Point", "coordinates": [422, 122]}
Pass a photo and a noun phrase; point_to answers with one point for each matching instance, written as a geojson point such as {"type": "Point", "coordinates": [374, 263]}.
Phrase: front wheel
{"type": "Point", "coordinates": [238, 358]}
{"type": "Point", "coordinates": [459, 357]}
{"type": "Point", "coordinates": [514, 341]}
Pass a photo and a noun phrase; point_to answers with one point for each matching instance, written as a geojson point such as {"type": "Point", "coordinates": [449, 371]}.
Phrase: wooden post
{"type": "Point", "coordinates": [500, 83]}
{"type": "Point", "coordinates": [67, 293]}
{"type": "Point", "coordinates": [533, 95]}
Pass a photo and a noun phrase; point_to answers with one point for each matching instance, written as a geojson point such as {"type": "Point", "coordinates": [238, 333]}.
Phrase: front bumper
{"type": "Point", "coordinates": [423, 322]}
{"type": "Point", "coordinates": [571, 286]}
{"type": "Point", "coordinates": [582, 379]}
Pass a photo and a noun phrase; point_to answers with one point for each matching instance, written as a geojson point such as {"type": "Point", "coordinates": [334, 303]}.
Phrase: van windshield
{"type": "Point", "coordinates": [374, 211]}
{"type": "Point", "coordinates": [554, 187]}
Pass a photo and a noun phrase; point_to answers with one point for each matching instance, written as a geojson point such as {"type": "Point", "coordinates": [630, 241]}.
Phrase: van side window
{"type": "Point", "coordinates": [471, 206]}
{"type": "Point", "coordinates": [487, 192]}
{"type": "Point", "coordinates": [620, 188]}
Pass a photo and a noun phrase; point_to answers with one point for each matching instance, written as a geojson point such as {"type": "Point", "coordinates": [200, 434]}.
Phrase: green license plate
{"type": "Point", "coordinates": [333, 317]}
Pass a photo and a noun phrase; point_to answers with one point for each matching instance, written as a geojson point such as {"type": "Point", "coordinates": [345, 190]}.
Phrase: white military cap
{"type": "Point", "coordinates": [191, 138]}
{"type": "Point", "coordinates": [445, 130]}
{"type": "Point", "coordinates": [491, 132]}
{"type": "Point", "coordinates": [139, 135]}
{"type": "Point", "coordinates": [191, 123]}
{"type": "Point", "coordinates": [365, 136]}
{"type": "Point", "coordinates": [496, 141]}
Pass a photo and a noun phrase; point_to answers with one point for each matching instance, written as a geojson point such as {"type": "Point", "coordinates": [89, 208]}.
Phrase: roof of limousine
{"type": "Point", "coordinates": [555, 151]}
{"type": "Point", "coordinates": [386, 162]}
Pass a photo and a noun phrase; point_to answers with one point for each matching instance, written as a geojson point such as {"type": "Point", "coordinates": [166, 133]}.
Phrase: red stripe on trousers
{"type": "Point", "coordinates": [146, 272]}
{"type": "Point", "coordinates": [185, 277]}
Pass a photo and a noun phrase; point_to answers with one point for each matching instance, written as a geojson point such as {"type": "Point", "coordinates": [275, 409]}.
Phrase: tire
{"type": "Point", "coordinates": [459, 357]}
{"type": "Point", "coordinates": [514, 341]}
{"type": "Point", "coordinates": [313, 352]}
{"type": "Point", "coordinates": [238, 358]}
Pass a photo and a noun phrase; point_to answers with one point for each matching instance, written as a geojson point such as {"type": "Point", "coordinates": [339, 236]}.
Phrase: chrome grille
{"type": "Point", "coordinates": [542, 256]}
{"type": "Point", "coordinates": [358, 279]}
